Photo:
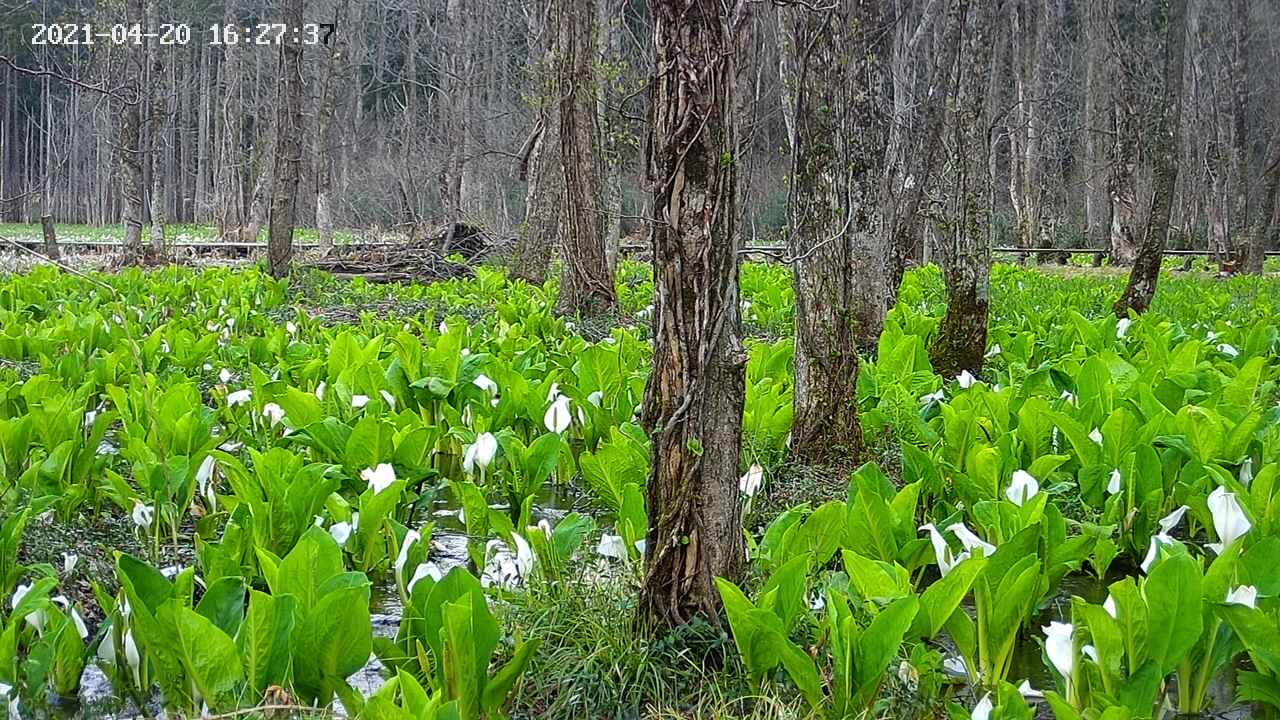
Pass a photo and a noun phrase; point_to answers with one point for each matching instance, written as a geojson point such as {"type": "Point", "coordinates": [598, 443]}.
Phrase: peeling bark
{"type": "Point", "coordinates": [693, 400]}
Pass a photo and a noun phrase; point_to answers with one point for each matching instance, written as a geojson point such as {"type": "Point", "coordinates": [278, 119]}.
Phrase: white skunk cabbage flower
{"type": "Point", "coordinates": [480, 453]}
{"type": "Point", "coordinates": [1122, 327]}
{"type": "Point", "coordinates": [596, 398]}
{"type": "Point", "coordinates": [239, 397]}
{"type": "Point", "coordinates": [402, 558]}
{"type": "Point", "coordinates": [343, 531]}
{"type": "Point", "coordinates": [971, 541]}
{"type": "Point", "coordinates": [1059, 645]}
{"type": "Point", "coordinates": [1023, 487]}
{"type": "Point", "coordinates": [994, 351]}
{"type": "Point", "coordinates": [612, 546]}
{"type": "Point", "coordinates": [1229, 520]}
{"type": "Point", "coordinates": [379, 478]}
{"type": "Point", "coordinates": [320, 390]}
{"type": "Point", "coordinates": [425, 570]}
{"type": "Point", "coordinates": [484, 382]}
{"type": "Point", "coordinates": [35, 619]}
{"type": "Point", "coordinates": [69, 562]}
{"type": "Point", "coordinates": [273, 413]}
{"type": "Point", "coordinates": [1246, 595]}
{"type": "Point", "coordinates": [359, 401]}
{"type": "Point", "coordinates": [933, 397]}
{"type": "Point", "coordinates": [982, 711]}
{"type": "Point", "coordinates": [142, 514]}
{"type": "Point", "coordinates": [388, 398]}
{"type": "Point", "coordinates": [1096, 435]}
{"type": "Point", "coordinates": [1228, 350]}
{"type": "Point", "coordinates": [750, 483]}
{"type": "Point", "coordinates": [557, 417]}
{"type": "Point", "coordinates": [1113, 483]}
{"type": "Point", "coordinates": [225, 376]}
{"type": "Point", "coordinates": [1110, 606]}
{"type": "Point", "coordinates": [966, 379]}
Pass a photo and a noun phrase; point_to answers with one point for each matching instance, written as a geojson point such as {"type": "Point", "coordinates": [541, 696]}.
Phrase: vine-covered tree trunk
{"type": "Point", "coordinates": [693, 400]}
{"type": "Point", "coordinates": [965, 228]}
{"type": "Point", "coordinates": [586, 286]}
{"type": "Point", "coordinates": [1166, 143]}
{"type": "Point", "coordinates": [288, 148]}
{"type": "Point", "coordinates": [132, 190]}
{"type": "Point", "coordinates": [839, 249]}
{"type": "Point", "coordinates": [541, 165]}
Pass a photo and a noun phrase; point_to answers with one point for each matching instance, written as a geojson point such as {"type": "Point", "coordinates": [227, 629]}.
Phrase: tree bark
{"type": "Point", "coordinates": [586, 285]}
{"type": "Point", "coordinates": [132, 189]}
{"type": "Point", "coordinates": [288, 147]}
{"type": "Point", "coordinates": [1123, 160]}
{"type": "Point", "coordinates": [1030, 34]}
{"type": "Point", "coordinates": [693, 400]}
{"type": "Point", "coordinates": [540, 233]}
{"type": "Point", "coordinates": [965, 229]}
{"type": "Point", "coordinates": [325, 147]}
{"type": "Point", "coordinates": [1141, 288]}
{"type": "Point", "coordinates": [50, 238]}
{"type": "Point", "coordinates": [904, 191]}
{"type": "Point", "coordinates": [1249, 247]}
{"type": "Point", "coordinates": [1099, 123]}
{"type": "Point", "coordinates": [838, 248]}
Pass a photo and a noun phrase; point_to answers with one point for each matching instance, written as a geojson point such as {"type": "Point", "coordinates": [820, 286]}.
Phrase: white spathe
{"type": "Point", "coordinates": [933, 397]}
{"type": "Point", "coordinates": [484, 382]}
{"type": "Point", "coordinates": [1246, 595]}
{"type": "Point", "coordinates": [982, 711]}
{"type": "Point", "coordinates": [970, 540]}
{"type": "Point", "coordinates": [1229, 520]}
{"type": "Point", "coordinates": [750, 482]}
{"type": "Point", "coordinates": [480, 453]}
{"type": "Point", "coordinates": [379, 478]}
{"type": "Point", "coordinates": [1022, 488]}
{"type": "Point", "coordinates": [359, 401]}
{"type": "Point", "coordinates": [1110, 606]}
{"type": "Point", "coordinates": [239, 397]}
{"type": "Point", "coordinates": [1122, 327]}
{"type": "Point", "coordinates": [1096, 435]}
{"type": "Point", "coordinates": [69, 562]}
{"type": "Point", "coordinates": [142, 514]}
{"type": "Point", "coordinates": [425, 570]}
{"type": "Point", "coordinates": [1059, 645]}
{"type": "Point", "coordinates": [402, 557]}
{"type": "Point", "coordinates": [557, 417]}
{"type": "Point", "coordinates": [612, 546]}
{"type": "Point", "coordinates": [1113, 483]}
{"type": "Point", "coordinates": [273, 413]}
{"type": "Point", "coordinates": [966, 379]}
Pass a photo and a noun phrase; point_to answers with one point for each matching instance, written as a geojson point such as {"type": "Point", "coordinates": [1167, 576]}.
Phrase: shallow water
{"type": "Point", "coordinates": [97, 698]}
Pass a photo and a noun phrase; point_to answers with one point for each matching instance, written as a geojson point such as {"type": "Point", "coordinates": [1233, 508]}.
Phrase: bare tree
{"type": "Point", "coordinates": [1099, 119]}
{"type": "Point", "coordinates": [1141, 287]}
{"type": "Point", "coordinates": [693, 400]}
{"type": "Point", "coordinates": [1248, 247]}
{"type": "Point", "coordinates": [288, 147]}
{"type": "Point", "coordinates": [1031, 20]}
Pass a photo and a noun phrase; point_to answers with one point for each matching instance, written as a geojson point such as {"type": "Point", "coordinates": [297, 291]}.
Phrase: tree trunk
{"type": "Point", "coordinates": [132, 190]}
{"type": "Point", "coordinates": [1026, 181]}
{"type": "Point", "coordinates": [1249, 248]}
{"type": "Point", "coordinates": [965, 229]}
{"type": "Point", "coordinates": [50, 238]}
{"type": "Point", "coordinates": [288, 147]}
{"type": "Point", "coordinates": [839, 250]}
{"type": "Point", "coordinates": [904, 191]}
{"type": "Point", "coordinates": [1099, 123]}
{"type": "Point", "coordinates": [1166, 144]}
{"type": "Point", "coordinates": [325, 147]}
{"type": "Point", "coordinates": [586, 287]}
{"type": "Point", "coordinates": [693, 400]}
{"type": "Point", "coordinates": [1123, 160]}
{"type": "Point", "coordinates": [541, 230]}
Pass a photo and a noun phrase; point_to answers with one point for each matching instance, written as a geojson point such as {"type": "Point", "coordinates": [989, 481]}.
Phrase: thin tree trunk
{"type": "Point", "coordinates": [1141, 288]}
{"type": "Point", "coordinates": [966, 237]}
{"type": "Point", "coordinates": [693, 400]}
{"type": "Point", "coordinates": [586, 287]}
{"type": "Point", "coordinates": [839, 250]}
{"type": "Point", "coordinates": [1123, 160]}
{"type": "Point", "coordinates": [288, 148]}
{"type": "Point", "coordinates": [131, 147]}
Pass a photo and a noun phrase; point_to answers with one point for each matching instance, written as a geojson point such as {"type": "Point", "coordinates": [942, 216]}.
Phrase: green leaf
{"type": "Point", "coordinates": [1174, 621]}
{"type": "Point", "coordinates": [208, 655]}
